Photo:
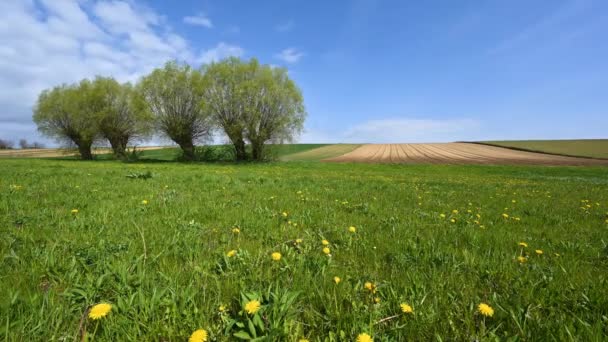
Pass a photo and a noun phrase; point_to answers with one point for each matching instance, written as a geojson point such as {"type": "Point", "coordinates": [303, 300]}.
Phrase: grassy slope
{"type": "Point", "coordinates": [597, 148]}
{"type": "Point", "coordinates": [321, 153]}
{"type": "Point", "coordinates": [163, 265]}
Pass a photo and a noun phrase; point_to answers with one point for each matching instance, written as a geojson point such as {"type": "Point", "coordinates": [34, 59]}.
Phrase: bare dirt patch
{"type": "Point", "coordinates": [455, 153]}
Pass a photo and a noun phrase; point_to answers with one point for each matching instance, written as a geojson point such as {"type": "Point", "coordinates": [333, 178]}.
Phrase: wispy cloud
{"type": "Point", "coordinates": [286, 26]}
{"type": "Point", "coordinates": [221, 50]}
{"type": "Point", "coordinates": [398, 130]}
{"type": "Point", "coordinates": [290, 55]}
{"type": "Point", "coordinates": [75, 40]}
{"type": "Point", "coordinates": [199, 20]}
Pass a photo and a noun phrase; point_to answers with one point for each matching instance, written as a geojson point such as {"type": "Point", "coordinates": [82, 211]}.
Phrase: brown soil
{"type": "Point", "coordinates": [455, 153]}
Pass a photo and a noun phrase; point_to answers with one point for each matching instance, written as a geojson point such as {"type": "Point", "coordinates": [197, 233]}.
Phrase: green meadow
{"type": "Point", "coordinates": [177, 247]}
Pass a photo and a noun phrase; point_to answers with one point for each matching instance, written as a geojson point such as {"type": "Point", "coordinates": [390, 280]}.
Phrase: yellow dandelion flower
{"type": "Point", "coordinates": [377, 300]}
{"type": "Point", "coordinates": [352, 229]}
{"type": "Point", "coordinates": [284, 214]}
{"type": "Point", "coordinates": [144, 202]}
{"type": "Point", "coordinates": [299, 240]}
{"type": "Point", "coordinates": [325, 242]}
{"type": "Point", "coordinates": [74, 211]}
{"type": "Point", "coordinates": [364, 338]}
{"type": "Point", "coordinates": [505, 215]}
{"type": "Point", "coordinates": [405, 308]}
{"type": "Point", "coordinates": [231, 253]}
{"type": "Point", "coordinates": [523, 244]}
{"type": "Point", "coordinates": [453, 220]}
{"type": "Point", "coordinates": [236, 231]}
{"type": "Point", "coordinates": [442, 215]}
{"type": "Point", "coordinates": [370, 287]}
{"type": "Point", "coordinates": [100, 310]}
{"type": "Point", "coordinates": [337, 280]}
{"type": "Point", "coordinates": [276, 256]}
{"type": "Point", "coordinates": [199, 335]}
{"type": "Point", "coordinates": [539, 251]}
{"type": "Point", "coordinates": [455, 211]}
{"type": "Point", "coordinates": [221, 308]}
{"type": "Point", "coordinates": [303, 340]}
{"type": "Point", "coordinates": [485, 310]}
{"type": "Point", "coordinates": [252, 306]}
{"type": "Point", "coordinates": [522, 259]}
{"type": "Point", "coordinates": [326, 250]}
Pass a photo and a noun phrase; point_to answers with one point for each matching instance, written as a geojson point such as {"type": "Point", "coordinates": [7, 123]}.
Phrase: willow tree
{"type": "Point", "coordinates": [253, 103]}
{"type": "Point", "coordinates": [226, 98]}
{"type": "Point", "coordinates": [121, 119]}
{"type": "Point", "coordinates": [275, 111]}
{"type": "Point", "coordinates": [62, 113]}
{"type": "Point", "coordinates": [174, 95]}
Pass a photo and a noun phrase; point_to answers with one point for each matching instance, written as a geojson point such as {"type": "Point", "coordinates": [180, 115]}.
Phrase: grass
{"type": "Point", "coordinates": [163, 264]}
{"type": "Point", "coordinates": [594, 148]}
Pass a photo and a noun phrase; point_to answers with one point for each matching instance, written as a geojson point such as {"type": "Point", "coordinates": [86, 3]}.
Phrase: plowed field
{"type": "Point", "coordinates": [455, 153]}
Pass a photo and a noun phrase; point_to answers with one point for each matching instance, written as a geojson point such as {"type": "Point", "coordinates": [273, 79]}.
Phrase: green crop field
{"type": "Point", "coordinates": [238, 250]}
{"type": "Point", "coordinates": [595, 148]}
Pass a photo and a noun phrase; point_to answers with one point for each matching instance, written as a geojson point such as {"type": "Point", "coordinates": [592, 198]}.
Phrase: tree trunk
{"type": "Point", "coordinates": [257, 150]}
{"type": "Point", "coordinates": [119, 147]}
{"type": "Point", "coordinates": [85, 151]}
{"type": "Point", "coordinates": [241, 152]}
{"type": "Point", "coordinates": [187, 149]}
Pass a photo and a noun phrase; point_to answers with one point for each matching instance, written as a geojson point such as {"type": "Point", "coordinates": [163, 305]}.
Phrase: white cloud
{"type": "Point", "coordinates": [199, 20]}
{"type": "Point", "coordinates": [49, 42]}
{"type": "Point", "coordinates": [398, 130]}
{"type": "Point", "coordinates": [290, 55]}
{"type": "Point", "coordinates": [222, 50]}
{"type": "Point", "coordinates": [285, 27]}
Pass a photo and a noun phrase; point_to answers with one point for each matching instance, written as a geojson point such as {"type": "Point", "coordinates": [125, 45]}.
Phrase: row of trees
{"type": "Point", "coordinates": [23, 144]}
{"type": "Point", "coordinates": [250, 103]}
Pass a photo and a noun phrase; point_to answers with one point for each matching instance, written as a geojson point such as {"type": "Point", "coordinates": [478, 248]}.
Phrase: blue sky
{"type": "Point", "coordinates": [370, 70]}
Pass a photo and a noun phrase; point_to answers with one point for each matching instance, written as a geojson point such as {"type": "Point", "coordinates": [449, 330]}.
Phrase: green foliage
{"type": "Point", "coordinates": [67, 113]}
{"type": "Point", "coordinates": [173, 94]}
{"type": "Point", "coordinates": [253, 103]}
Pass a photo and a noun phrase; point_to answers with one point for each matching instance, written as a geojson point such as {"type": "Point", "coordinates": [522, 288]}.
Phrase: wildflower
{"type": "Point", "coordinates": [231, 253]}
{"type": "Point", "coordinates": [74, 211]}
{"type": "Point", "coordinates": [522, 259]}
{"type": "Point", "coordinates": [442, 215]}
{"type": "Point", "coordinates": [325, 242]}
{"type": "Point", "coordinates": [539, 251]}
{"type": "Point", "coordinates": [505, 215]}
{"type": "Point", "coordinates": [252, 306]}
{"type": "Point", "coordinates": [299, 240]}
{"type": "Point", "coordinates": [221, 308]}
{"type": "Point", "coordinates": [276, 256]}
{"type": "Point", "coordinates": [523, 244]}
{"type": "Point", "coordinates": [371, 287]}
{"type": "Point", "coordinates": [406, 308]}
{"type": "Point", "coordinates": [364, 338]}
{"type": "Point", "coordinates": [303, 340]}
{"type": "Point", "coordinates": [337, 280]}
{"type": "Point", "coordinates": [377, 300]}
{"type": "Point", "coordinates": [485, 310]}
{"type": "Point", "coordinates": [199, 335]}
{"type": "Point", "coordinates": [453, 220]}
{"type": "Point", "coordinates": [144, 202]}
{"type": "Point", "coordinates": [326, 250]}
{"type": "Point", "coordinates": [100, 310]}
{"type": "Point", "coordinates": [455, 211]}
{"type": "Point", "coordinates": [236, 231]}
{"type": "Point", "coordinates": [284, 214]}
{"type": "Point", "coordinates": [352, 229]}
